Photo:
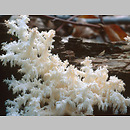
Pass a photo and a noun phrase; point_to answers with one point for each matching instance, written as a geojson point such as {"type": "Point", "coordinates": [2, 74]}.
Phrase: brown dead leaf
{"type": "Point", "coordinates": [119, 31]}
{"type": "Point", "coordinates": [114, 32]}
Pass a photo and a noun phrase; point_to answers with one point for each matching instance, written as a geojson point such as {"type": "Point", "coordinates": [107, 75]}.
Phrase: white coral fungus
{"type": "Point", "coordinates": [50, 87]}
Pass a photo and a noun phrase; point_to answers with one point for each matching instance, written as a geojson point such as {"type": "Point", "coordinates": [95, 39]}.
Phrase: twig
{"type": "Point", "coordinates": [64, 23]}
{"type": "Point", "coordinates": [71, 22]}
{"type": "Point", "coordinates": [101, 19]}
{"type": "Point", "coordinates": [126, 65]}
{"type": "Point", "coordinates": [102, 32]}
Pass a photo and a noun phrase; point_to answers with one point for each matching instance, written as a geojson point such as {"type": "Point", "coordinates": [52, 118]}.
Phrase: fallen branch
{"type": "Point", "coordinates": [106, 20]}
{"type": "Point", "coordinates": [64, 23]}
{"type": "Point", "coordinates": [71, 22]}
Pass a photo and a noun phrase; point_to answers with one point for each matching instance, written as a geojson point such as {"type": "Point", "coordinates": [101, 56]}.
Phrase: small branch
{"type": "Point", "coordinates": [102, 32]}
{"type": "Point", "coordinates": [64, 23]}
{"type": "Point", "coordinates": [71, 22]}
{"type": "Point", "coordinates": [101, 19]}
{"type": "Point", "coordinates": [126, 65]}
